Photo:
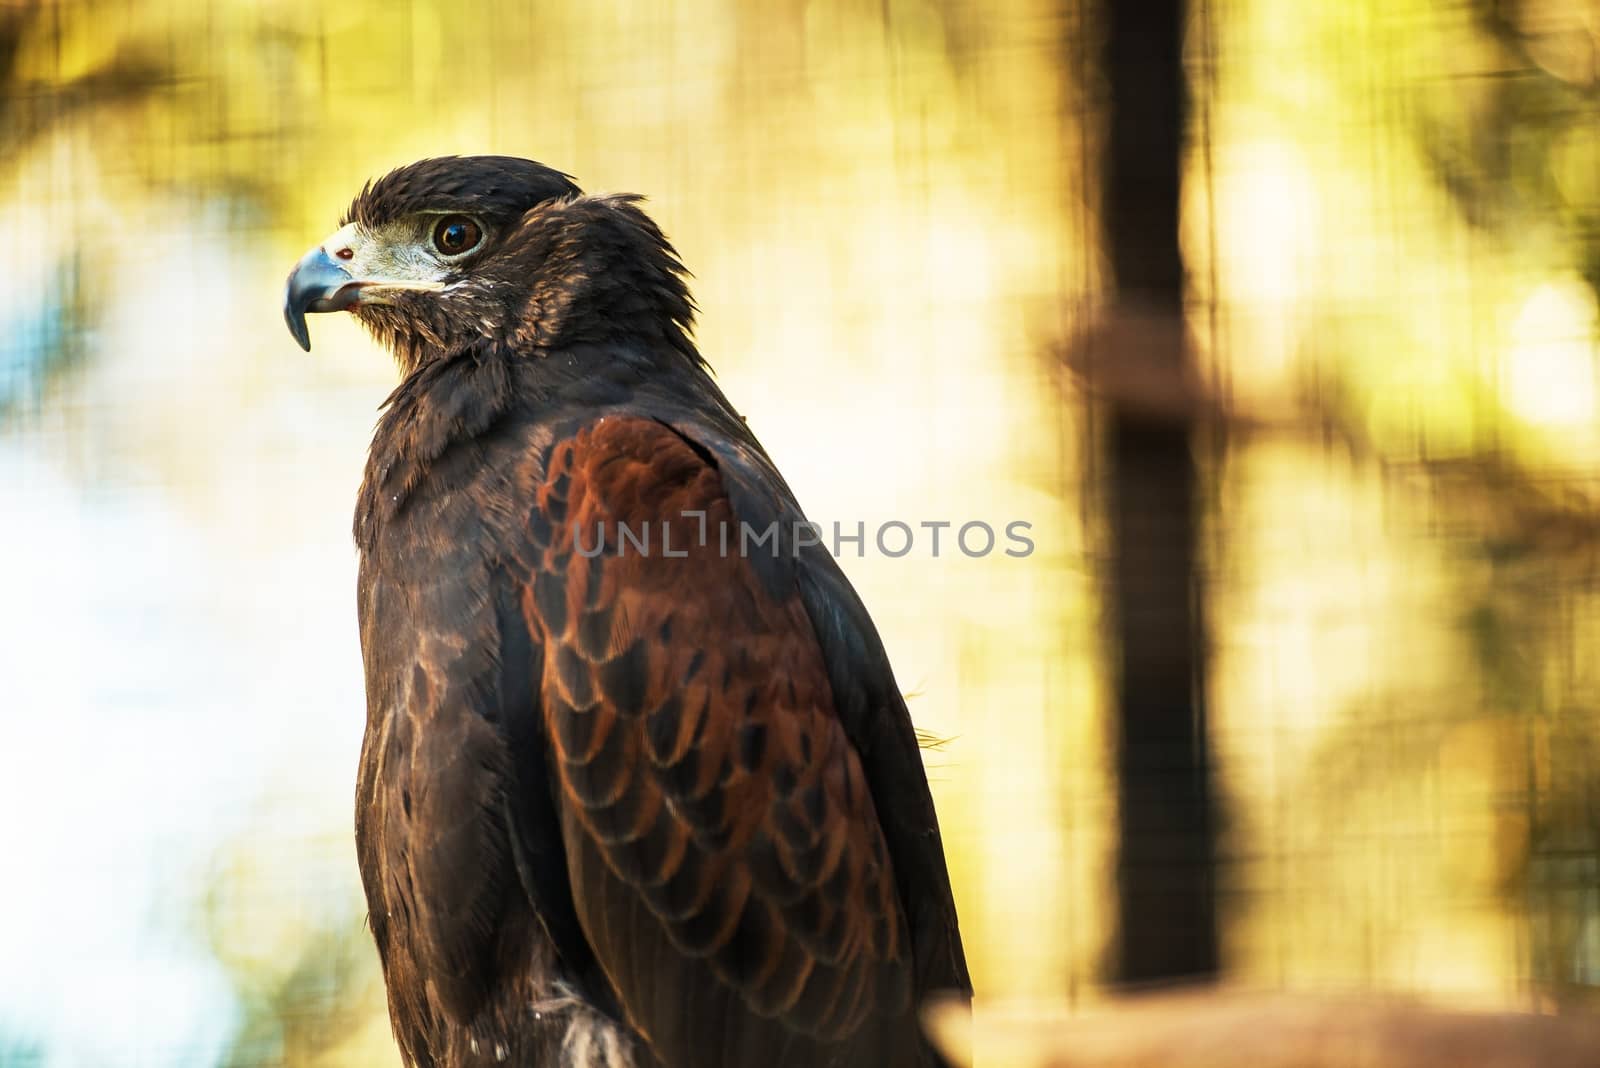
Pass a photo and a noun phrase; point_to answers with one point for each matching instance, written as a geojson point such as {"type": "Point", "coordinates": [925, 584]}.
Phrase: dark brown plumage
{"type": "Point", "coordinates": [615, 807]}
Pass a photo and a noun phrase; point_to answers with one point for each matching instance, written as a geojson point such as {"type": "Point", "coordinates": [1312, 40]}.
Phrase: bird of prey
{"type": "Point", "coordinates": [622, 802]}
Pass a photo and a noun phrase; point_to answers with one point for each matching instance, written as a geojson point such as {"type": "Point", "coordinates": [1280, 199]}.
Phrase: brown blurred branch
{"type": "Point", "coordinates": [1233, 1028]}
{"type": "Point", "coordinates": [1489, 495]}
{"type": "Point", "coordinates": [29, 109]}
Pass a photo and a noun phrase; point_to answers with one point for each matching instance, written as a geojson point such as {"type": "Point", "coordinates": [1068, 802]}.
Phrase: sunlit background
{"type": "Point", "coordinates": [1392, 226]}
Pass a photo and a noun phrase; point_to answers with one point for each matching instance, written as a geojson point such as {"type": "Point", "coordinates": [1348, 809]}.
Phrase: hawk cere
{"type": "Point", "coordinates": [615, 808]}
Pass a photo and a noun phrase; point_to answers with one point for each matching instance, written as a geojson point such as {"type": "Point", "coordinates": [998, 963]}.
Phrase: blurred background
{"type": "Point", "coordinates": [1375, 541]}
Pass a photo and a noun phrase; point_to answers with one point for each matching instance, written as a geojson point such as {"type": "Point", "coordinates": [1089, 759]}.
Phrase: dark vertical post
{"type": "Point", "coordinates": [1165, 870]}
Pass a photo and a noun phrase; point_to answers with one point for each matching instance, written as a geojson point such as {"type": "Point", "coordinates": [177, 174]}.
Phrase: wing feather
{"type": "Point", "coordinates": [723, 846]}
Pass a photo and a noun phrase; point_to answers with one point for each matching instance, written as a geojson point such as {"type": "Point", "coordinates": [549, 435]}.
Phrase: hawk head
{"type": "Point", "coordinates": [448, 253]}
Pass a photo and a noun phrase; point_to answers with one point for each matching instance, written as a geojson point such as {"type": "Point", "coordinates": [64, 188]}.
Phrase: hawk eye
{"type": "Point", "coordinates": [456, 234]}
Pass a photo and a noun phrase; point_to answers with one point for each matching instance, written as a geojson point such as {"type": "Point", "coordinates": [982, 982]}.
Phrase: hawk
{"type": "Point", "coordinates": [633, 791]}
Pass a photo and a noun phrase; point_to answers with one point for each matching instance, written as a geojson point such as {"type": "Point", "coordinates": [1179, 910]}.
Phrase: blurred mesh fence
{"type": "Point", "coordinates": [889, 208]}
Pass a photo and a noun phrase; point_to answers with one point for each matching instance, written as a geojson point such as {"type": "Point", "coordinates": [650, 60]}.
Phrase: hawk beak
{"type": "Point", "coordinates": [317, 284]}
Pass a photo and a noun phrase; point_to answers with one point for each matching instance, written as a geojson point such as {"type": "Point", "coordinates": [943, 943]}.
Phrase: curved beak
{"type": "Point", "coordinates": [317, 284]}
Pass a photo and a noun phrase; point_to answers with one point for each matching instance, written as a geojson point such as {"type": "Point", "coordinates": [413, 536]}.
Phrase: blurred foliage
{"type": "Point", "coordinates": [304, 975]}
{"type": "Point", "coordinates": [1402, 336]}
